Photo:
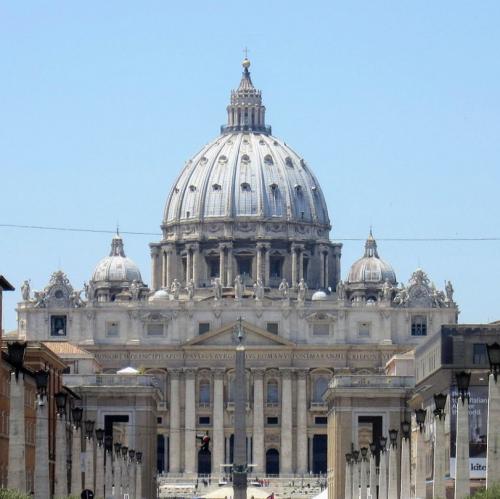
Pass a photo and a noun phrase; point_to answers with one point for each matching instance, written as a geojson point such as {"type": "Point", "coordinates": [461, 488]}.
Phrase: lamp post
{"type": "Point", "coordinates": [405, 459]}
{"type": "Point", "coordinates": [99, 464]}
{"type": "Point", "coordinates": [462, 473]}
{"type": "Point", "coordinates": [60, 468]}
{"type": "Point", "coordinates": [439, 486]}
{"type": "Point", "coordinates": [363, 473]}
{"type": "Point", "coordinates": [117, 492]}
{"type": "Point", "coordinates": [493, 438]}
{"type": "Point", "coordinates": [131, 474]}
{"type": "Point", "coordinates": [108, 466]}
{"type": "Point", "coordinates": [348, 476]}
{"type": "Point", "coordinates": [420, 482]}
{"type": "Point", "coordinates": [355, 474]}
{"type": "Point", "coordinates": [138, 480]}
{"type": "Point", "coordinates": [89, 455]}
{"type": "Point", "coordinates": [382, 474]}
{"type": "Point", "coordinates": [373, 470]}
{"type": "Point", "coordinates": [16, 477]}
{"type": "Point", "coordinates": [76, 451]}
{"type": "Point", "coordinates": [41, 483]}
{"type": "Point", "coordinates": [392, 489]}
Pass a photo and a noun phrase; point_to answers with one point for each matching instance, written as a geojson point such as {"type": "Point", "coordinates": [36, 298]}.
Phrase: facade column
{"type": "Point", "coordinates": [294, 266]}
{"type": "Point", "coordinates": [99, 471]}
{"type": "Point", "coordinates": [420, 472]}
{"type": "Point", "coordinates": [258, 421]}
{"type": "Point", "coordinates": [229, 264]}
{"type": "Point", "coordinates": [493, 439]}
{"type": "Point", "coordinates": [302, 422]}
{"type": "Point", "coordinates": [439, 487]}
{"type": "Point", "coordinates": [267, 263]}
{"type": "Point", "coordinates": [190, 421]}
{"type": "Point", "coordinates": [60, 468]}
{"type": "Point", "coordinates": [222, 265]}
{"type": "Point", "coordinates": [175, 422]}
{"type": "Point", "coordinates": [218, 422]}
{"type": "Point", "coordinates": [189, 263]}
{"type": "Point", "coordinates": [16, 478]}
{"type": "Point", "coordinates": [405, 468]}
{"type": "Point", "coordinates": [76, 461]}
{"type": "Point", "coordinates": [382, 475]}
{"type": "Point", "coordinates": [392, 489]}
{"type": "Point", "coordinates": [286, 422]}
{"type": "Point", "coordinates": [42, 481]}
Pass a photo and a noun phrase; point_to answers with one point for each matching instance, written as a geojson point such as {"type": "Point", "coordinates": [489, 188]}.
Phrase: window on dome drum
{"type": "Point", "coordinates": [479, 353]}
{"type": "Point", "coordinates": [155, 329]}
{"type": "Point", "coordinates": [272, 327]}
{"type": "Point", "coordinates": [321, 329]}
{"type": "Point", "coordinates": [213, 267]}
{"type": "Point", "coordinates": [364, 329]}
{"type": "Point", "coordinates": [58, 325]}
{"type": "Point", "coordinates": [204, 393]}
{"type": "Point", "coordinates": [419, 325]}
{"type": "Point", "coordinates": [276, 266]}
{"type": "Point", "coordinates": [272, 392]}
{"type": "Point", "coordinates": [203, 327]}
{"type": "Point", "coordinates": [112, 329]}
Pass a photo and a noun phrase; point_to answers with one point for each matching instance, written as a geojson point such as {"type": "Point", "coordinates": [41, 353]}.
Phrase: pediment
{"type": "Point", "coordinates": [254, 336]}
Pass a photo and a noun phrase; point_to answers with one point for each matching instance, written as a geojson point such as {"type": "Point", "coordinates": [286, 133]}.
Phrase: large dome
{"type": "Point", "coordinates": [246, 174]}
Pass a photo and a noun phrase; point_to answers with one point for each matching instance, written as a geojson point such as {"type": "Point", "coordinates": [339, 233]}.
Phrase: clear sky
{"type": "Point", "coordinates": [395, 105]}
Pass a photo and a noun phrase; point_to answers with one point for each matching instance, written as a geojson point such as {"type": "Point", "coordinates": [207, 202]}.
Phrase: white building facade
{"type": "Point", "coordinates": [246, 235]}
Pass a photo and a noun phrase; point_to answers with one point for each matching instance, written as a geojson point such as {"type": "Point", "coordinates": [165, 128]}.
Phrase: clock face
{"type": "Point", "coordinates": [59, 294]}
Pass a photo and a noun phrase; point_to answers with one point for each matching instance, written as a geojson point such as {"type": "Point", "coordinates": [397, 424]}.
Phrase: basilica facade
{"type": "Point", "coordinates": [246, 239]}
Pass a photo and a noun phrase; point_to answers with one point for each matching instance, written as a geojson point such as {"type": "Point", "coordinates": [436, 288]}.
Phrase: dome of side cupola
{"type": "Point", "coordinates": [247, 175]}
{"type": "Point", "coordinates": [371, 269]}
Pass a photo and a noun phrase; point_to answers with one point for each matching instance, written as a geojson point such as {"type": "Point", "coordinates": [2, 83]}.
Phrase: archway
{"type": "Point", "coordinates": [272, 462]}
{"type": "Point", "coordinates": [204, 462]}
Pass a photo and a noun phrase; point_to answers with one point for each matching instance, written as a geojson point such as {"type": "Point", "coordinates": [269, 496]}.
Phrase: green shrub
{"type": "Point", "coordinates": [491, 493]}
{"type": "Point", "coordinates": [12, 494]}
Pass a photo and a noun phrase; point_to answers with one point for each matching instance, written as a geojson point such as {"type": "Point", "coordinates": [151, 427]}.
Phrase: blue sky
{"type": "Point", "coordinates": [395, 106]}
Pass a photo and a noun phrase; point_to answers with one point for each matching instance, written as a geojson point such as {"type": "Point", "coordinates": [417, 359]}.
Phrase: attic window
{"type": "Point", "coordinates": [289, 162]}
{"type": "Point", "coordinates": [192, 188]}
{"type": "Point", "coordinates": [298, 188]}
{"type": "Point", "coordinates": [274, 186]}
{"type": "Point", "coordinates": [314, 188]}
{"type": "Point", "coordinates": [268, 160]}
{"type": "Point", "coordinates": [222, 160]}
{"type": "Point", "coordinates": [176, 190]}
{"type": "Point", "coordinates": [216, 187]}
{"type": "Point", "coordinates": [203, 161]}
{"type": "Point", "coordinates": [245, 158]}
{"type": "Point", "coordinates": [245, 186]}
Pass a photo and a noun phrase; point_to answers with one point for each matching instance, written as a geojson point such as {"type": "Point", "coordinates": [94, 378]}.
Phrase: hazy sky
{"type": "Point", "coordinates": [395, 106]}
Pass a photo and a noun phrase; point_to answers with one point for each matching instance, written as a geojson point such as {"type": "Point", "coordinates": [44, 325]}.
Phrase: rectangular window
{"type": "Point", "coordinates": [272, 420]}
{"type": "Point", "coordinates": [203, 327]}
{"type": "Point", "coordinates": [272, 327]}
{"type": "Point", "coordinates": [202, 420]}
{"type": "Point", "coordinates": [320, 420]}
{"type": "Point", "coordinates": [112, 329]}
{"type": "Point", "coordinates": [159, 420]}
{"type": "Point", "coordinates": [419, 325]}
{"type": "Point", "coordinates": [58, 325]}
{"type": "Point", "coordinates": [321, 329]}
{"type": "Point", "coordinates": [155, 329]}
{"type": "Point", "coordinates": [364, 329]}
{"type": "Point", "coordinates": [479, 353]}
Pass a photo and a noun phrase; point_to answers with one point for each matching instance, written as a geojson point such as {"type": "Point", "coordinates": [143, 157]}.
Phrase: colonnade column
{"type": "Point", "coordinates": [218, 422]}
{"type": "Point", "coordinates": [301, 422]}
{"type": "Point", "coordinates": [286, 422]}
{"type": "Point", "coordinates": [175, 440]}
{"type": "Point", "coordinates": [222, 265]}
{"type": "Point", "coordinates": [189, 264]}
{"type": "Point", "coordinates": [258, 421]}
{"type": "Point", "coordinates": [294, 266]}
{"type": "Point", "coordinates": [229, 265]}
{"type": "Point", "coordinates": [190, 422]}
{"type": "Point", "coordinates": [196, 262]}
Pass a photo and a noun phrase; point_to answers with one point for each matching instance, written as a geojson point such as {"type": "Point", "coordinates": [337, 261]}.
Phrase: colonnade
{"type": "Point", "coordinates": [293, 458]}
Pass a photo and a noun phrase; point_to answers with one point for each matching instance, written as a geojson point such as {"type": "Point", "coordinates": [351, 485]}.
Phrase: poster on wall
{"type": "Point", "coordinates": [478, 423]}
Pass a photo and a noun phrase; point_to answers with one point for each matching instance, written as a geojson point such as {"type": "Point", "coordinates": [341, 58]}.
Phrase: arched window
{"type": "Point", "coordinates": [272, 394]}
{"type": "Point", "coordinates": [204, 392]}
{"type": "Point", "coordinates": [320, 386]}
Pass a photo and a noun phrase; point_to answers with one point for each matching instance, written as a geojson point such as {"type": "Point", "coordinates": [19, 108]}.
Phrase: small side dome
{"type": "Point", "coordinates": [160, 295]}
{"type": "Point", "coordinates": [319, 296]}
{"type": "Point", "coordinates": [371, 269]}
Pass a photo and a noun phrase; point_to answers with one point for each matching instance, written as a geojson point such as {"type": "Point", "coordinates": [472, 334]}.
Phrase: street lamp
{"type": "Point", "coordinates": [76, 415]}
{"type": "Point", "coordinates": [494, 358]}
{"type": "Point", "coordinates": [138, 456]}
{"type": "Point", "coordinates": [131, 454]}
{"type": "Point", "coordinates": [364, 453]}
{"type": "Point", "coordinates": [420, 415]}
{"type": "Point", "coordinates": [89, 428]}
{"type": "Point", "coordinates": [99, 435]}
{"type": "Point", "coordinates": [405, 429]}
{"type": "Point", "coordinates": [355, 455]}
{"type": "Point", "coordinates": [42, 380]}
{"type": "Point", "coordinates": [124, 451]}
{"type": "Point", "coordinates": [463, 382]}
{"type": "Point", "coordinates": [393, 437]}
{"type": "Point", "coordinates": [108, 443]}
{"type": "Point", "coordinates": [383, 443]}
{"type": "Point", "coordinates": [61, 398]}
{"type": "Point", "coordinates": [373, 448]}
{"type": "Point", "coordinates": [16, 351]}
{"type": "Point", "coordinates": [440, 403]}
{"type": "Point", "coordinates": [118, 448]}
{"type": "Point", "coordinates": [348, 458]}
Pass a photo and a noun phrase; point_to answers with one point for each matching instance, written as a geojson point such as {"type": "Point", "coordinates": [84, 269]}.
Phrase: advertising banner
{"type": "Point", "coordinates": [478, 423]}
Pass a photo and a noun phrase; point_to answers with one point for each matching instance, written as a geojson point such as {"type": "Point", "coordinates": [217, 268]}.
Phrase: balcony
{"type": "Point", "coordinates": [125, 380]}
{"type": "Point", "coordinates": [318, 406]}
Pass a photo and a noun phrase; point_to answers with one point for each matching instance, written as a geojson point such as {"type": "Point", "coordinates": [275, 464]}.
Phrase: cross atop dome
{"type": "Point", "coordinates": [245, 111]}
